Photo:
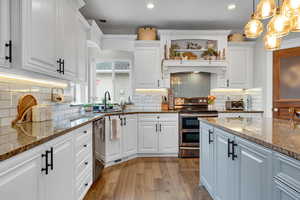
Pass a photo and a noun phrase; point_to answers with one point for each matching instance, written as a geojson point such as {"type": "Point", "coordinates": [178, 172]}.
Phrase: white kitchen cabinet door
{"type": "Point", "coordinates": [82, 51]}
{"type": "Point", "coordinates": [22, 177]}
{"type": "Point", "coordinates": [67, 43]}
{"type": "Point", "coordinates": [148, 137]}
{"type": "Point", "coordinates": [240, 67]}
{"type": "Point", "coordinates": [168, 137]}
{"type": "Point", "coordinates": [207, 170]}
{"type": "Point", "coordinates": [283, 192]}
{"type": "Point", "coordinates": [129, 135]}
{"type": "Point", "coordinates": [113, 146]}
{"type": "Point", "coordinates": [60, 180]}
{"type": "Point", "coordinates": [35, 40]}
{"type": "Point", "coordinates": [147, 67]}
{"type": "Point", "coordinates": [225, 188]}
{"type": "Point", "coordinates": [4, 32]}
{"type": "Point", "coordinates": [254, 171]}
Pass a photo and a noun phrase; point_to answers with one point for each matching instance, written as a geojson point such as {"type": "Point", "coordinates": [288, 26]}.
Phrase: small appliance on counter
{"type": "Point", "coordinates": [234, 105]}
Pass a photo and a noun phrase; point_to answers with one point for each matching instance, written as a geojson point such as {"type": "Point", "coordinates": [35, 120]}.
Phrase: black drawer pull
{"type": "Point", "coordinates": [9, 45]}
{"type": "Point", "coordinates": [210, 132]}
{"type": "Point", "coordinates": [86, 184]}
{"type": "Point", "coordinates": [85, 145]}
{"type": "Point", "coordinates": [84, 131]}
{"type": "Point", "coordinates": [86, 163]}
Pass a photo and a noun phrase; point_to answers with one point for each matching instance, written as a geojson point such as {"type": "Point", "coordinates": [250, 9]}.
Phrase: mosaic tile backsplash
{"type": "Point", "coordinates": [10, 94]}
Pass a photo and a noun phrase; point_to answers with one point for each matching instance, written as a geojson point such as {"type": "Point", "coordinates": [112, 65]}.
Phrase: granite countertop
{"type": "Point", "coordinates": [240, 111]}
{"type": "Point", "coordinates": [22, 137]}
{"type": "Point", "coordinates": [279, 135]}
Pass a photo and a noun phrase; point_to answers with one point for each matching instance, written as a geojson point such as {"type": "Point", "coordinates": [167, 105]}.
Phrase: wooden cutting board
{"type": "Point", "coordinates": [25, 105]}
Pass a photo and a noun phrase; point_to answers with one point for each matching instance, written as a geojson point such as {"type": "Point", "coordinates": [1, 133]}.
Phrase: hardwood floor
{"type": "Point", "coordinates": [150, 179]}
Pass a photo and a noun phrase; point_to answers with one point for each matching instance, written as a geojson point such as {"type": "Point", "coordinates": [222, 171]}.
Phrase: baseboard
{"type": "Point", "coordinates": [139, 155]}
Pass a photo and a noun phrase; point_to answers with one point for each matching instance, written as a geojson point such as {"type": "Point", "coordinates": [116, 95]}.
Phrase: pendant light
{"type": "Point", "coordinates": [295, 23]}
{"type": "Point", "coordinates": [265, 9]}
{"type": "Point", "coordinates": [254, 27]}
{"type": "Point", "coordinates": [279, 25]}
{"type": "Point", "coordinates": [294, 5]}
{"type": "Point", "coordinates": [271, 42]}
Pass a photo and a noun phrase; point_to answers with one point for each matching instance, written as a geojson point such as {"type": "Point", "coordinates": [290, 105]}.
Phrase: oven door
{"type": "Point", "coordinates": [189, 123]}
{"type": "Point", "coordinates": [189, 138]}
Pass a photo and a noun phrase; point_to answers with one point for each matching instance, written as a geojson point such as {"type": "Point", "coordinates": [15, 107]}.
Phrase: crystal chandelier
{"type": "Point", "coordinates": [285, 18]}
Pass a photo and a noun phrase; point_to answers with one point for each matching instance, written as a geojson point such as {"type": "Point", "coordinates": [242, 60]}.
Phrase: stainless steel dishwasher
{"type": "Point", "coordinates": [98, 140]}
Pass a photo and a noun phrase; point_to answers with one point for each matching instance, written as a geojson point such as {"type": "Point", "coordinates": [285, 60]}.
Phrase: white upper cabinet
{"type": "Point", "coordinates": [240, 65]}
{"type": "Point", "coordinates": [147, 66]}
{"type": "Point", "coordinates": [67, 43]}
{"type": "Point", "coordinates": [82, 51]}
{"type": "Point", "coordinates": [34, 35]}
{"type": "Point", "coordinates": [4, 33]}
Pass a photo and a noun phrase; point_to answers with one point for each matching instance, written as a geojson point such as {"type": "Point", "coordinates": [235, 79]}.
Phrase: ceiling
{"type": "Point", "coordinates": [125, 16]}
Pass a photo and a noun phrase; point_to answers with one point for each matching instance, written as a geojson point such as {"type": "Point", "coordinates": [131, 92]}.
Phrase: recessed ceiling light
{"type": "Point", "coordinates": [150, 6]}
{"type": "Point", "coordinates": [231, 6]}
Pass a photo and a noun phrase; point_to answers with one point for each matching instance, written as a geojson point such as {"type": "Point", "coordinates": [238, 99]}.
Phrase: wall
{"type": "Point", "coordinates": [10, 94]}
{"type": "Point", "coordinates": [237, 94]}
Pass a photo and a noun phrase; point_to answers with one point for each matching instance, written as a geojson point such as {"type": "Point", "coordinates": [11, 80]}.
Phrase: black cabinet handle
{"type": "Point", "coordinates": [228, 147]}
{"type": "Point", "coordinates": [63, 66]}
{"type": "Point", "coordinates": [125, 121]}
{"type": "Point", "coordinates": [51, 158]}
{"type": "Point", "coordinates": [9, 45]}
{"type": "Point", "coordinates": [210, 132]}
{"type": "Point", "coordinates": [86, 163]}
{"type": "Point", "coordinates": [159, 127]}
{"type": "Point", "coordinates": [86, 184]}
{"type": "Point", "coordinates": [85, 145]}
{"type": "Point", "coordinates": [84, 131]}
{"type": "Point", "coordinates": [121, 121]}
{"type": "Point", "coordinates": [233, 150]}
{"type": "Point", "coordinates": [59, 61]}
{"type": "Point", "coordinates": [156, 127]}
{"type": "Point", "coordinates": [45, 155]}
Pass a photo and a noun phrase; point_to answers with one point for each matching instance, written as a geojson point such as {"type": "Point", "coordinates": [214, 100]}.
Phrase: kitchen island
{"type": "Point", "coordinates": [250, 158]}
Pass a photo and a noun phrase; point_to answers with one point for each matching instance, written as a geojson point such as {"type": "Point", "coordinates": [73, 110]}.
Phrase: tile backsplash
{"type": "Point", "coordinates": [237, 94]}
{"type": "Point", "coordinates": [10, 94]}
{"type": "Point", "coordinates": [148, 100]}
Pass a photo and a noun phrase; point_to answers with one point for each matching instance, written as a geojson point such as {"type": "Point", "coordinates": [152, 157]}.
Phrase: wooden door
{"type": "Point", "coordinates": [148, 137]}
{"type": "Point", "coordinates": [60, 180]}
{"type": "Point", "coordinates": [4, 32]}
{"type": "Point", "coordinates": [286, 83]}
{"type": "Point", "coordinates": [168, 137]}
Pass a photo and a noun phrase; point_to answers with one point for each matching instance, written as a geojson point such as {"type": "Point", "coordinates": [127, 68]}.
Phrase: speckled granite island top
{"type": "Point", "coordinates": [280, 135]}
{"type": "Point", "coordinates": [15, 140]}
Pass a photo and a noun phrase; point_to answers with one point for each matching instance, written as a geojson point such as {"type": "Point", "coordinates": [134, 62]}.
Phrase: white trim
{"type": "Point", "coordinates": [131, 37]}
{"type": "Point", "coordinates": [193, 32]}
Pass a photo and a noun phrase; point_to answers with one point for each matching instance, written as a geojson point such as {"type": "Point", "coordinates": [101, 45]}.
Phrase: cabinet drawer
{"type": "Point", "coordinates": [287, 170]}
{"type": "Point", "coordinates": [83, 166]}
{"type": "Point", "coordinates": [160, 117]}
{"type": "Point", "coordinates": [84, 130]}
{"type": "Point", "coordinates": [84, 185]}
{"type": "Point", "coordinates": [83, 142]}
{"type": "Point", "coordinates": [83, 154]}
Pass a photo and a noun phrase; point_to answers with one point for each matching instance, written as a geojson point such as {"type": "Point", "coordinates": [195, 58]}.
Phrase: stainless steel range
{"type": "Point", "coordinates": [189, 111]}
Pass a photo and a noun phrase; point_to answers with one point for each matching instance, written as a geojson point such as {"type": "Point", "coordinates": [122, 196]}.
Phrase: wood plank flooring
{"type": "Point", "coordinates": [150, 179]}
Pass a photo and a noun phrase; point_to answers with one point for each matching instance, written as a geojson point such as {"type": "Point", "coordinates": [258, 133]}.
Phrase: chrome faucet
{"type": "Point", "coordinates": [105, 99]}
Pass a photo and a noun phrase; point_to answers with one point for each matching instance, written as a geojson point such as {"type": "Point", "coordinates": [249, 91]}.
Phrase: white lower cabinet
{"type": "Point", "coordinates": [44, 172]}
{"type": "Point", "coordinates": [158, 134]}
{"type": "Point", "coordinates": [20, 177]}
{"type": "Point", "coordinates": [207, 144]}
{"type": "Point", "coordinates": [237, 170]}
{"type": "Point", "coordinates": [283, 192]}
{"type": "Point", "coordinates": [124, 143]}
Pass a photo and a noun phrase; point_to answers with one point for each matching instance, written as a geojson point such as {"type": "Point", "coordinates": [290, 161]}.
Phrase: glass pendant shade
{"type": "Point", "coordinates": [289, 11]}
{"type": "Point", "coordinates": [253, 28]}
{"type": "Point", "coordinates": [265, 9]}
{"type": "Point", "coordinates": [279, 25]}
{"type": "Point", "coordinates": [295, 23]}
{"type": "Point", "coordinates": [271, 42]}
{"type": "Point", "coordinates": [293, 4]}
